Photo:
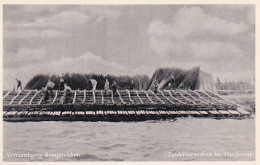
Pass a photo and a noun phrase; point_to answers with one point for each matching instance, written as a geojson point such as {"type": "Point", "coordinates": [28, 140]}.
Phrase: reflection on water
{"type": "Point", "coordinates": [181, 139]}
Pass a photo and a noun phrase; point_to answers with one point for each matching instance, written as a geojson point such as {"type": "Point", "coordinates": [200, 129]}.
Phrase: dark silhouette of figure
{"type": "Point", "coordinates": [62, 81]}
{"type": "Point", "coordinates": [19, 84]}
{"type": "Point", "coordinates": [67, 94]}
{"type": "Point", "coordinates": [114, 87]}
{"type": "Point", "coordinates": [156, 86]}
{"type": "Point", "coordinates": [132, 85]}
{"type": "Point", "coordinates": [49, 87]}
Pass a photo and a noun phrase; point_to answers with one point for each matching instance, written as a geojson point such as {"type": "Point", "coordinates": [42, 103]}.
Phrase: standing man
{"type": "Point", "coordinates": [94, 84]}
{"type": "Point", "coordinates": [174, 86]}
{"type": "Point", "coordinates": [156, 86]}
{"type": "Point", "coordinates": [132, 85]}
{"type": "Point", "coordinates": [19, 84]}
{"type": "Point", "coordinates": [62, 82]}
{"type": "Point", "coordinates": [169, 86]}
{"type": "Point", "coordinates": [173, 82]}
{"type": "Point", "coordinates": [114, 87]}
{"type": "Point", "coordinates": [106, 87]}
{"type": "Point", "coordinates": [67, 94]}
{"type": "Point", "coordinates": [49, 86]}
{"type": "Point", "coordinates": [181, 86]}
{"type": "Point", "coordinates": [45, 94]}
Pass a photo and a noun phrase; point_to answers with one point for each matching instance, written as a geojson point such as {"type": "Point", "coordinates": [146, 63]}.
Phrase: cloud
{"type": "Point", "coordinates": [23, 57]}
{"type": "Point", "coordinates": [46, 22]}
{"type": "Point", "coordinates": [195, 38]}
{"type": "Point", "coordinates": [30, 9]}
{"type": "Point", "coordinates": [85, 63]}
{"type": "Point", "coordinates": [219, 58]}
{"type": "Point", "coordinates": [67, 18]}
{"type": "Point", "coordinates": [100, 13]}
{"type": "Point", "coordinates": [251, 15]}
{"type": "Point", "coordinates": [231, 73]}
{"type": "Point", "coordinates": [192, 32]}
{"type": "Point", "coordinates": [63, 20]}
{"type": "Point", "coordinates": [213, 56]}
{"type": "Point", "coordinates": [189, 21]}
{"type": "Point", "coordinates": [163, 45]}
{"type": "Point", "coordinates": [38, 8]}
{"type": "Point", "coordinates": [28, 34]}
{"type": "Point", "coordinates": [55, 26]}
{"type": "Point", "coordinates": [233, 12]}
{"type": "Point", "coordinates": [215, 50]}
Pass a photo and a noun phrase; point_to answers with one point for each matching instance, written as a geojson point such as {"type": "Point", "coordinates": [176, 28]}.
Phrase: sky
{"type": "Point", "coordinates": [127, 40]}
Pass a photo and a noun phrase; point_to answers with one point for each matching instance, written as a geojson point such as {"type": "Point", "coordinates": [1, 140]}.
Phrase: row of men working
{"type": "Point", "coordinates": [50, 85]}
{"type": "Point", "coordinates": [67, 91]}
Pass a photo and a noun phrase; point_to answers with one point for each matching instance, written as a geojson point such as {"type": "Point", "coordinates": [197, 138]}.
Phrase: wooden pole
{"type": "Point", "coordinates": [25, 97]}
{"type": "Point", "coordinates": [56, 95]}
{"type": "Point", "coordinates": [129, 95]}
{"type": "Point", "coordinates": [166, 97]}
{"type": "Point", "coordinates": [15, 98]}
{"type": "Point", "coordinates": [34, 97]}
{"type": "Point", "coordinates": [148, 97]}
{"type": "Point", "coordinates": [6, 94]}
{"type": "Point", "coordinates": [120, 97]}
{"type": "Point", "coordinates": [157, 97]}
{"type": "Point", "coordinates": [138, 97]}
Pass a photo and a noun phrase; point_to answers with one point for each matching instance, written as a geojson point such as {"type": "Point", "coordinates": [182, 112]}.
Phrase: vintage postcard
{"type": "Point", "coordinates": [128, 82]}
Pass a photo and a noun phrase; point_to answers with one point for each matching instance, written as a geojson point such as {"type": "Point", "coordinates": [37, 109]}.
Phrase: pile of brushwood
{"type": "Point", "coordinates": [188, 79]}
{"type": "Point", "coordinates": [81, 81]}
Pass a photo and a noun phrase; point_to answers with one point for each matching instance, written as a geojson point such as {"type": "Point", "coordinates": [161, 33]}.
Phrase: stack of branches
{"type": "Point", "coordinates": [82, 81]}
{"type": "Point", "coordinates": [185, 79]}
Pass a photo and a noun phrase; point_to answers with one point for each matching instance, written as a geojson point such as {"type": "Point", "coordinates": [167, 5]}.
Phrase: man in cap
{"type": "Point", "coordinates": [49, 86]}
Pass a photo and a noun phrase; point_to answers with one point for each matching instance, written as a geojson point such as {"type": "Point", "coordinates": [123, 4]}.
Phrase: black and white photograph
{"type": "Point", "coordinates": [128, 82]}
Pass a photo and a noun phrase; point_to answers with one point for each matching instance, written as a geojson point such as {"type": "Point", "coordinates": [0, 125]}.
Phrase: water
{"type": "Point", "coordinates": [181, 139]}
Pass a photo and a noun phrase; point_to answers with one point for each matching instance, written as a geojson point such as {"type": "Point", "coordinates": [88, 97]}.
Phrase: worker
{"type": "Point", "coordinates": [49, 86]}
{"type": "Point", "coordinates": [19, 84]}
{"type": "Point", "coordinates": [106, 87]}
{"type": "Point", "coordinates": [94, 84]}
{"type": "Point", "coordinates": [181, 86]}
{"type": "Point", "coordinates": [156, 86]}
{"type": "Point", "coordinates": [45, 94]}
{"type": "Point", "coordinates": [67, 94]}
{"type": "Point", "coordinates": [114, 87]}
{"type": "Point", "coordinates": [62, 81]}
{"type": "Point", "coordinates": [169, 86]}
{"type": "Point", "coordinates": [132, 85]}
{"type": "Point", "coordinates": [173, 82]}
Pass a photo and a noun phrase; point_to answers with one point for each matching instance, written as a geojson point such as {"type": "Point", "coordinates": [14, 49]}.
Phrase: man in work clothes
{"type": "Point", "coordinates": [106, 87]}
{"type": "Point", "coordinates": [156, 86]}
{"type": "Point", "coordinates": [19, 84]}
{"type": "Point", "coordinates": [173, 82]}
{"type": "Point", "coordinates": [181, 86]}
{"type": "Point", "coordinates": [169, 86]}
{"type": "Point", "coordinates": [114, 87]}
{"type": "Point", "coordinates": [132, 85]}
{"type": "Point", "coordinates": [62, 82]}
{"type": "Point", "coordinates": [67, 94]}
{"type": "Point", "coordinates": [49, 87]}
{"type": "Point", "coordinates": [94, 84]}
{"type": "Point", "coordinates": [45, 94]}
